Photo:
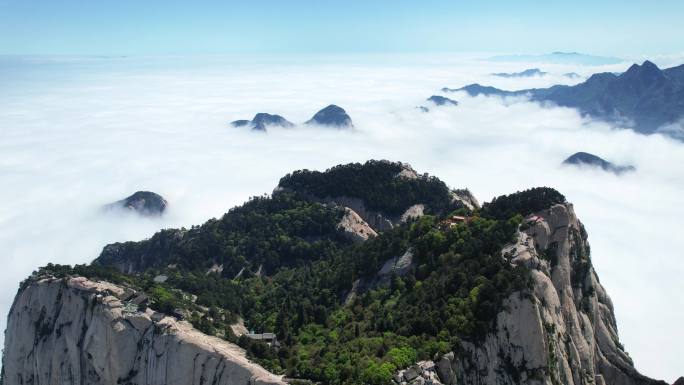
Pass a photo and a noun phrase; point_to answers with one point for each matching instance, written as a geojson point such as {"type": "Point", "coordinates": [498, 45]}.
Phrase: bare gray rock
{"type": "Point", "coordinates": [354, 227]}
{"type": "Point", "coordinates": [564, 333]}
{"type": "Point", "coordinates": [466, 197]}
{"type": "Point", "coordinates": [76, 331]}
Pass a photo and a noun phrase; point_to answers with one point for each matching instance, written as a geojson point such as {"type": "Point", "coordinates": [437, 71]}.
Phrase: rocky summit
{"type": "Point", "coordinates": [644, 97]}
{"type": "Point", "coordinates": [366, 273]}
{"type": "Point", "coordinates": [591, 160]}
{"type": "Point", "coordinates": [332, 116]}
{"type": "Point", "coordinates": [145, 203]}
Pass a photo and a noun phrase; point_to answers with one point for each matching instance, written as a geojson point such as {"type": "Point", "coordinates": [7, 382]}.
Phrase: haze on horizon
{"type": "Point", "coordinates": [129, 27]}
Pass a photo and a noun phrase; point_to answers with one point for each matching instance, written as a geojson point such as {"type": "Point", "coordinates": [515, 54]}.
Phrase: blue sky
{"type": "Point", "coordinates": [276, 26]}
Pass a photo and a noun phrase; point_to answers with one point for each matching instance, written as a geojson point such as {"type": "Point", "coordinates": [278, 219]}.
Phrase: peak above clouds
{"type": "Point", "coordinates": [333, 116]}
{"type": "Point", "coordinates": [145, 203]}
{"type": "Point", "coordinates": [644, 97]}
{"type": "Point", "coordinates": [262, 120]}
{"type": "Point", "coordinates": [92, 132]}
{"type": "Point", "coordinates": [586, 159]}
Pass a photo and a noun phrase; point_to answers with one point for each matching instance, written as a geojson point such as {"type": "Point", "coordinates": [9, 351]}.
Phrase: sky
{"type": "Point", "coordinates": [162, 27]}
{"type": "Point", "coordinates": [80, 132]}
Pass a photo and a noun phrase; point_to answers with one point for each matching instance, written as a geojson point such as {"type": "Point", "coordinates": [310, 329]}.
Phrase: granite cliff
{"type": "Point", "coordinates": [78, 331]}
{"type": "Point", "coordinates": [563, 331]}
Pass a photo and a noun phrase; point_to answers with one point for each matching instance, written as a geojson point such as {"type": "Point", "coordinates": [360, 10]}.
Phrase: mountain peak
{"type": "Point", "coordinates": [262, 120]}
{"type": "Point", "coordinates": [647, 71]}
{"type": "Point", "coordinates": [332, 115]}
{"type": "Point", "coordinates": [649, 64]}
{"type": "Point", "coordinates": [146, 203]}
{"type": "Point", "coordinates": [587, 159]}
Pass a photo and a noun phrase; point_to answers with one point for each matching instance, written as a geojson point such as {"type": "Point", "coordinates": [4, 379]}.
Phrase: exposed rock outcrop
{"type": "Point", "coordinates": [77, 331]}
{"type": "Point", "coordinates": [376, 220]}
{"type": "Point", "coordinates": [563, 332]}
{"type": "Point", "coordinates": [354, 227]}
{"type": "Point", "coordinates": [466, 198]}
{"type": "Point", "coordinates": [145, 203]}
{"type": "Point", "coordinates": [422, 373]}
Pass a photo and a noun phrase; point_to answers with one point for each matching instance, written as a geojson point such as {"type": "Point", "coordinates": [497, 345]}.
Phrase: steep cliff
{"type": "Point", "coordinates": [562, 332]}
{"type": "Point", "coordinates": [77, 331]}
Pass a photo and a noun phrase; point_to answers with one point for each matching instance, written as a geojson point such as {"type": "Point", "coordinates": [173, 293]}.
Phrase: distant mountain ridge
{"type": "Point", "coordinates": [644, 97]}
{"type": "Point", "coordinates": [559, 58]}
{"type": "Point", "coordinates": [523, 74]}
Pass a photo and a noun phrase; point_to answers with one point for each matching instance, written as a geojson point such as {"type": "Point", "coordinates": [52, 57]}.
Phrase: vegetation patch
{"type": "Point", "coordinates": [287, 270]}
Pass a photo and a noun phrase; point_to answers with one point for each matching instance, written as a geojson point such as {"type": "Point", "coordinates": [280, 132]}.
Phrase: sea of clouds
{"type": "Point", "coordinates": [77, 133]}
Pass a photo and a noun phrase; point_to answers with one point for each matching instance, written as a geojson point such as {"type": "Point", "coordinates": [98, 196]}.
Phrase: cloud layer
{"type": "Point", "coordinates": [78, 133]}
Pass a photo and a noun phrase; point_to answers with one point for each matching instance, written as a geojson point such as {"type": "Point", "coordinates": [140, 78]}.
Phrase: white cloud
{"type": "Point", "coordinates": [78, 134]}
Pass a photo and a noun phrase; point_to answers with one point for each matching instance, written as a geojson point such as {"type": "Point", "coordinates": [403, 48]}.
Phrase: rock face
{"type": "Point", "coordinates": [442, 101]}
{"type": "Point", "coordinates": [354, 227]}
{"type": "Point", "coordinates": [332, 116]}
{"type": "Point", "coordinates": [528, 73]}
{"type": "Point", "coordinates": [262, 120]}
{"type": "Point", "coordinates": [77, 331]}
{"type": "Point", "coordinates": [587, 159]}
{"type": "Point", "coordinates": [376, 220]}
{"type": "Point", "coordinates": [144, 203]}
{"type": "Point", "coordinates": [644, 97]}
{"type": "Point", "coordinates": [564, 332]}
{"type": "Point", "coordinates": [466, 198]}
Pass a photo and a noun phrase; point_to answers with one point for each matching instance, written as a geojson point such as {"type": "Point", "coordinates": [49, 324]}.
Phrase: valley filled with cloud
{"type": "Point", "coordinates": [77, 133]}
